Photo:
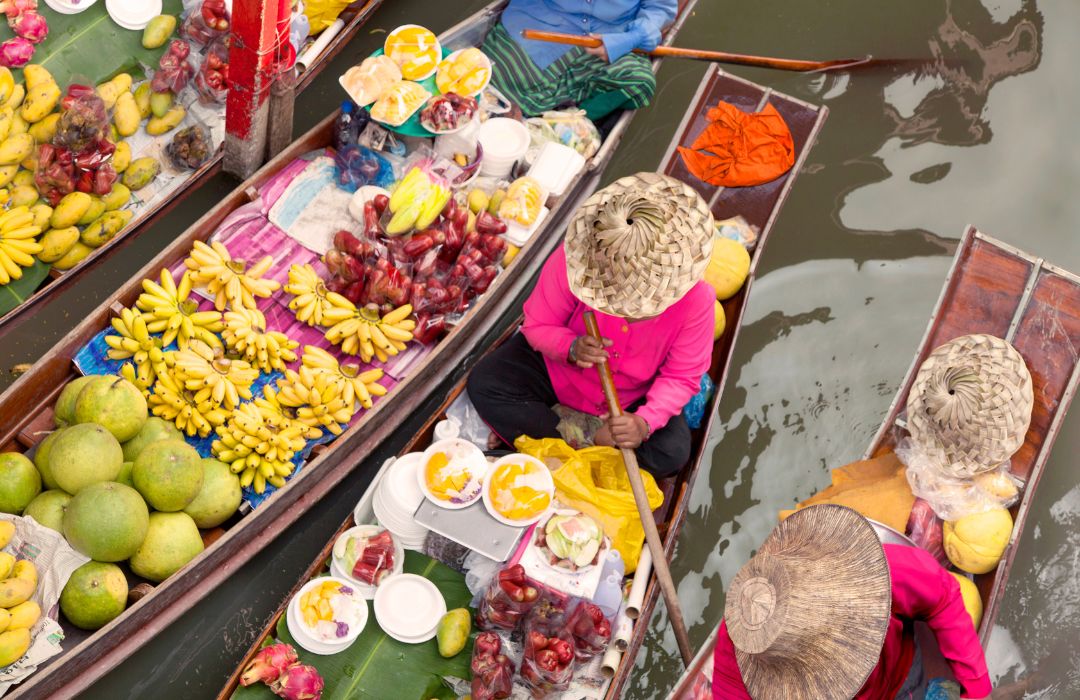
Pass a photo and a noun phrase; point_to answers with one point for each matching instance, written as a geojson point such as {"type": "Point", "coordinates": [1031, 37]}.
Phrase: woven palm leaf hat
{"type": "Point", "coordinates": [639, 245]}
{"type": "Point", "coordinates": [970, 404]}
{"type": "Point", "coordinates": [807, 615]}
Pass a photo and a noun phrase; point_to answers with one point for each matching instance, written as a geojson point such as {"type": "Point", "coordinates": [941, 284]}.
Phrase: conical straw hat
{"type": "Point", "coordinates": [808, 613]}
{"type": "Point", "coordinates": [638, 245]}
{"type": "Point", "coordinates": [970, 405]}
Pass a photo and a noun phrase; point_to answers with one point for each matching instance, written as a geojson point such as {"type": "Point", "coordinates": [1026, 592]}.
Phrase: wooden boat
{"type": "Point", "coordinates": [759, 206]}
{"type": "Point", "coordinates": [354, 18]}
{"type": "Point", "coordinates": [991, 288]}
{"type": "Point", "coordinates": [26, 407]}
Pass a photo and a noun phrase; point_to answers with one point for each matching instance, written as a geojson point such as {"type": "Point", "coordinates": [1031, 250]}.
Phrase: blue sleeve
{"type": "Point", "coordinates": [644, 32]}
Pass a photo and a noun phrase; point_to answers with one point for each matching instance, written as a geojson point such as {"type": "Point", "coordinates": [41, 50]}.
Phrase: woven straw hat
{"type": "Point", "coordinates": [970, 405]}
{"type": "Point", "coordinates": [808, 613]}
{"type": "Point", "coordinates": [639, 245]}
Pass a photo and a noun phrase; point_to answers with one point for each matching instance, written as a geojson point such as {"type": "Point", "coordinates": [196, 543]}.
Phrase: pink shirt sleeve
{"type": "Point", "coordinates": [548, 310]}
{"type": "Point", "coordinates": [727, 682]}
{"type": "Point", "coordinates": [923, 590]}
{"type": "Point", "coordinates": [688, 359]}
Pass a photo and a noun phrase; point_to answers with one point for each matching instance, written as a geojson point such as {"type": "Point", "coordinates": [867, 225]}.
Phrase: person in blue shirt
{"type": "Point", "coordinates": [539, 76]}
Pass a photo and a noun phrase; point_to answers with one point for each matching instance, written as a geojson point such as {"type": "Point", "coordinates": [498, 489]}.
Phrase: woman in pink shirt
{"type": "Point", "coordinates": [635, 254]}
{"type": "Point", "coordinates": [823, 610]}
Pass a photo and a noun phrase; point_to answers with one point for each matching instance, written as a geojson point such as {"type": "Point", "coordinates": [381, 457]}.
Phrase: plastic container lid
{"type": "Point", "coordinates": [133, 14]}
{"type": "Point", "coordinates": [408, 608]}
{"type": "Point", "coordinates": [555, 166]}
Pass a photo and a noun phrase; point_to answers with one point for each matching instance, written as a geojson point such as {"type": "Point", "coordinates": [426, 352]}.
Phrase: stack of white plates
{"type": "Point", "coordinates": [409, 608]}
{"type": "Point", "coordinates": [396, 498]}
{"type": "Point", "coordinates": [133, 14]}
{"type": "Point", "coordinates": [69, 7]}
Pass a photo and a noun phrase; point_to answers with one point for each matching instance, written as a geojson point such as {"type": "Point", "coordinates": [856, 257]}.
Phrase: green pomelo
{"type": "Point", "coordinates": [172, 541]}
{"type": "Point", "coordinates": [168, 474]}
{"type": "Point", "coordinates": [112, 402]}
{"type": "Point", "coordinates": [41, 459]}
{"type": "Point", "coordinates": [48, 508]}
{"type": "Point", "coordinates": [64, 410]}
{"type": "Point", "coordinates": [95, 594]}
{"type": "Point", "coordinates": [219, 496]}
{"type": "Point", "coordinates": [19, 482]}
{"type": "Point", "coordinates": [125, 474]}
{"type": "Point", "coordinates": [107, 521]}
{"type": "Point", "coordinates": [153, 430]}
{"type": "Point", "coordinates": [84, 454]}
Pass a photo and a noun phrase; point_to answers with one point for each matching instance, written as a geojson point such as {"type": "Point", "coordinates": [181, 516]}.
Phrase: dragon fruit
{"type": "Point", "coordinates": [31, 26]}
{"type": "Point", "coordinates": [14, 8]}
{"type": "Point", "coordinates": [269, 664]}
{"type": "Point", "coordinates": [16, 53]}
{"type": "Point", "coordinates": [299, 682]}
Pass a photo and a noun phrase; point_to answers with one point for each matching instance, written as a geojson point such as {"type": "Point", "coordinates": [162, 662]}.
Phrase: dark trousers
{"type": "Point", "coordinates": [512, 392]}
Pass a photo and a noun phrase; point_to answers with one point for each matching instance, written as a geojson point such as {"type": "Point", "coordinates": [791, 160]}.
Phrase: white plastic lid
{"type": "Point", "coordinates": [408, 608]}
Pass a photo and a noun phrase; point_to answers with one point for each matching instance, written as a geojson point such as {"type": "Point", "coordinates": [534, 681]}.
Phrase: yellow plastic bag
{"type": "Point", "coordinates": [594, 481]}
{"type": "Point", "coordinates": [322, 13]}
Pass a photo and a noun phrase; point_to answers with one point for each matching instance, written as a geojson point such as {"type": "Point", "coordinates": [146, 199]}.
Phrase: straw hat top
{"type": "Point", "coordinates": [970, 405]}
{"type": "Point", "coordinates": [808, 613]}
{"type": "Point", "coordinates": [639, 245]}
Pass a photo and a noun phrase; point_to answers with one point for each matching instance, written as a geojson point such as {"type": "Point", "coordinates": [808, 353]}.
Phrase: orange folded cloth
{"type": "Point", "coordinates": [738, 149]}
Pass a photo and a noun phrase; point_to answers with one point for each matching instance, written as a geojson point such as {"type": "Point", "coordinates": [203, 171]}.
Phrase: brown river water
{"type": "Point", "coordinates": [970, 125]}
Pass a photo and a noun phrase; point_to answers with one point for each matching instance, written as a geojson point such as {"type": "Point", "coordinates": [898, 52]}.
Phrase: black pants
{"type": "Point", "coordinates": [512, 392]}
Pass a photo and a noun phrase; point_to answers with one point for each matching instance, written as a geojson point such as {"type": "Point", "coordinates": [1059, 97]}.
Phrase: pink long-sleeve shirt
{"type": "Point", "coordinates": [661, 358]}
{"type": "Point", "coordinates": [921, 590]}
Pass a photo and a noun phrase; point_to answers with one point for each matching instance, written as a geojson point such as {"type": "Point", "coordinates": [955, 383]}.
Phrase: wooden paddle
{"type": "Point", "coordinates": [652, 537]}
{"type": "Point", "coordinates": [592, 42]}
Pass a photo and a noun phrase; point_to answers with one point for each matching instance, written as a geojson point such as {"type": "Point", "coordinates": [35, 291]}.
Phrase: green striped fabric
{"type": "Point", "coordinates": [576, 77]}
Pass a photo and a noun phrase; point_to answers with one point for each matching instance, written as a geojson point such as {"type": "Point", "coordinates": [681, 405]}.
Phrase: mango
{"type": "Point", "coordinates": [141, 172]}
{"type": "Point", "coordinates": [7, 563]}
{"type": "Point", "coordinates": [7, 531]}
{"type": "Point", "coordinates": [30, 162]}
{"type": "Point", "coordinates": [23, 196]}
{"type": "Point", "coordinates": [18, 125]}
{"type": "Point", "coordinates": [104, 229]}
{"type": "Point", "coordinates": [40, 102]}
{"type": "Point", "coordinates": [24, 569]}
{"type": "Point", "coordinates": [24, 615]}
{"type": "Point", "coordinates": [453, 632]}
{"type": "Point", "coordinates": [42, 213]}
{"type": "Point", "coordinates": [93, 213]}
{"type": "Point", "coordinates": [73, 257]}
{"type": "Point", "coordinates": [160, 102]}
{"type": "Point", "coordinates": [23, 177]}
{"type": "Point", "coordinates": [126, 114]}
{"type": "Point", "coordinates": [121, 157]}
{"type": "Point", "coordinates": [7, 84]}
{"type": "Point", "coordinates": [8, 173]}
{"type": "Point", "coordinates": [142, 99]}
{"type": "Point", "coordinates": [117, 197]}
{"type": "Point", "coordinates": [13, 644]}
{"type": "Point", "coordinates": [156, 126]}
{"type": "Point", "coordinates": [478, 201]}
{"type": "Point", "coordinates": [35, 74]}
{"type": "Point", "coordinates": [5, 620]}
{"type": "Point", "coordinates": [15, 590]}
{"type": "Point", "coordinates": [45, 130]}
{"type": "Point", "coordinates": [16, 148]}
{"type": "Point", "coordinates": [495, 201]}
{"type": "Point", "coordinates": [16, 98]}
{"type": "Point", "coordinates": [114, 135]}
{"type": "Point", "coordinates": [70, 209]}
{"type": "Point", "coordinates": [6, 117]}
{"type": "Point", "coordinates": [57, 242]}
{"type": "Point", "coordinates": [158, 31]}
{"type": "Point", "coordinates": [111, 90]}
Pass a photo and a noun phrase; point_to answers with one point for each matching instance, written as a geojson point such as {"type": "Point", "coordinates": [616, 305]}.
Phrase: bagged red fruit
{"type": "Point", "coordinates": [508, 598]}
{"type": "Point", "coordinates": [550, 612]}
{"type": "Point", "coordinates": [492, 671]}
{"type": "Point", "coordinates": [547, 666]}
{"type": "Point", "coordinates": [591, 630]}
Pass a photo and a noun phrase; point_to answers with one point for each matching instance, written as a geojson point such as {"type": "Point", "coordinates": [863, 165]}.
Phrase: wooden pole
{"type": "Point", "coordinates": [652, 536]}
{"type": "Point", "coordinates": [251, 61]}
{"type": "Point", "coordinates": [702, 55]}
{"type": "Point", "coordinates": [283, 91]}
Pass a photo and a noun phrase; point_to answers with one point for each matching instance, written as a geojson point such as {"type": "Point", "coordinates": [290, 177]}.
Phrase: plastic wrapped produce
{"type": "Point", "coordinates": [509, 597]}
{"type": "Point", "coordinates": [366, 82]}
{"type": "Point", "coordinates": [591, 630]}
{"type": "Point", "coordinates": [547, 666]}
{"type": "Point", "coordinates": [399, 102]}
{"type": "Point", "coordinates": [447, 113]}
{"type": "Point", "coordinates": [492, 670]}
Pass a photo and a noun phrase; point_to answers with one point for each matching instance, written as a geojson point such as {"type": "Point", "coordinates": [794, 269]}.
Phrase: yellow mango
{"type": "Point", "coordinates": [7, 84]}
{"type": "Point", "coordinates": [7, 531]}
{"type": "Point", "coordinates": [44, 130]}
{"type": "Point", "coordinates": [13, 644]}
{"type": "Point", "coordinates": [16, 98]}
{"type": "Point", "coordinates": [70, 209]}
{"type": "Point", "coordinates": [18, 125]}
{"type": "Point", "coordinates": [141, 172]}
{"type": "Point", "coordinates": [30, 162]}
{"type": "Point", "coordinates": [142, 99]}
{"type": "Point", "coordinates": [16, 148]}
{"type": "Point", "coordinates": [7, 563]}
{"type": "Point", "coordinates": [105, 228]}
{"type": "Point", "coordinates": [5, 620]}
{"type": "Point", "coordinates": [35, 74]}
{"type": "Point", "coordinates": [24, 615]}
{"type": "Point", "coordinates": [8, 173]}
{"type": "Point", "coordinates": [24, 177]}
{"type": "Point", "coordinates": [126, 114]}
{"type": "Point", "coordinates": [111, 90]}
{"type": "Point", "coordinates": [15, 590]}
{"type": "Point", "coordinates": [40, 102]}
{"type": "Point", "coordinates": [157, 126]}
{"type": "Point", "coordinates": [117, 197]}
{"type": "Point", "coordinates": [6, 117]}
{"type": "Point", "coordinates": [57, 242]}
{"type": "Point", "coordinates": [42, 213]}
{"type": "Point", "coordinates": [25, 569]}
{"type": "Point", "coordinates": [23, 196]}
{"type": "Point", "coordinates": [4, 196]}
{"type": "Point", "coordinates": [73, 257]}
{"type": "Point", "coordinates": [158, 31]}
{"type": "Point", "coordinates": [93, 213]}
{"type": "Point", "coordinates": [121, 157]}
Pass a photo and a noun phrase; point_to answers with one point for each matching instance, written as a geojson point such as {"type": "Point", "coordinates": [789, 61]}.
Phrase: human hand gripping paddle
{"type": "Point", "coordinates": [652, 537]}
{"type": "Point", "coordinates": [592, 42]}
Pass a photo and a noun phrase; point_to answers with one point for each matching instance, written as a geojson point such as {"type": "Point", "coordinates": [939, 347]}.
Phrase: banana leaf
{"type": "Point", "coordinates": [378, 667]}
{"type": "Point", "coordinates": [17, 291]}
{"type": "Point", "coordinates": [91, 45]}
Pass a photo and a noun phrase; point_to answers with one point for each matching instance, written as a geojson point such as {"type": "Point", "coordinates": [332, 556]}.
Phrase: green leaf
{"type": "Point", "coordinates": [91, 45]}
{"type": "Point", "coordinates": [17, 291]}
{"type": "Point", "coordinates": [378, 667]}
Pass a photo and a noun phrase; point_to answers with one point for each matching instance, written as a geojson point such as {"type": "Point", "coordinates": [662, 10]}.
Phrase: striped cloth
{"type": "Point", "coordinates": [576, 77]}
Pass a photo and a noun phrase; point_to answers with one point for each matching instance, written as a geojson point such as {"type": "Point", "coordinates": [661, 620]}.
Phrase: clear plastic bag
{"type": "Point", "coordinates": [190, 147]}
{"type": "Point", "coordinates": [470, 426]}
{"type": "Point", "coordinates": [212, 80]}
{"type": "Point", "coordinates": [953, 498]}
{"type": "Point", "coordinates": [570, 128]}
{"type": "Point", "coordinates": [590, 628]}
{"type": "Point", "coordinates": [547, 666]}
{"type": "Point", "coordinates": [492, 668]}
{"type": "Point", "coordinates": [924, 529]}
{"type": "Point", "coordinates": [509, 597]}
{"type": "Point", "coordinates": [205, 21]}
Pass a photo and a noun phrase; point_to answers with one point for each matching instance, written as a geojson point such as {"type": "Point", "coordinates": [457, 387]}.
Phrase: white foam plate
{"type": "Point", "coordinates": [400, 525]}
{"type": "Point", "coordinates": [65, 7]}
{"type": "Point", "coordinates": [401, 484]}
{"type": "Point", "coordinates": [408, 608]}
{"type": "Point", "coordinates": [133, 14]}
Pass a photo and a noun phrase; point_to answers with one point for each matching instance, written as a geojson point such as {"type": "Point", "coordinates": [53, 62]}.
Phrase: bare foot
{"type": "Point", "coordinates": [602, 437]}
{"type": "Point", "coordinates": [494, 442]}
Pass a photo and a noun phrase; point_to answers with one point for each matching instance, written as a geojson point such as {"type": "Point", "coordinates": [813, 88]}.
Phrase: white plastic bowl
{"type": "Point", "coordinates": [472, 453]}
{"type": "Point", "coordinates": [305, 639]}
{"type": "Point", "coordinates": [517, 459]}
{"type": "Point", "coordinates": [505, 142]}
{"type": "Point", "coordinates": [338, 570]}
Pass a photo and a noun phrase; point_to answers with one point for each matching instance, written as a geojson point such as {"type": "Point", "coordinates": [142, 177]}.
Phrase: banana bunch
{"type": "Point", "coordinates": [135, 342]}
{"type": "Point", "coordinates": [245, 334]}
{"type": "Point", "coordinates": [169, 400]}
{"type": "Point", "coordinates": [259, 452]}
{"type": "Point", "coordinates": [355, 385]}
{"type": "Point", "coordinates": [212, 376]}
{"type": "Point", "coordinates": [229, 279]}
{"type": "Point", "coordinates": [367, 335]}
{"type": "Point", "coordinates": [313, 303]}
{"type": "Point", "coordinates": [18, 614]}
{"type": "Point", "coordinates": [175, 315]}
{"type": "Point", "coordinates": [317, 399]}
{"type": "Point", "coordinates": [17, 244]}
{"type": "Point", "coordinates": [280, 416]}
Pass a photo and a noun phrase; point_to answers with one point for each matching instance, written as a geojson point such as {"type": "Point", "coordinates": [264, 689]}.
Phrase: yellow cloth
{"type": "Point", "coordinates": [877, 488]}
{"type": "Point", "coordinates": [322, 13]}
{"type": "Point", "coordinates": [594, 481]}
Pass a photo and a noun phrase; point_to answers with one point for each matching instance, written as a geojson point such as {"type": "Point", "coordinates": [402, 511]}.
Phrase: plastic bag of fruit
{"type": "Point", "coordinates": [174, 70]}
{"type": "Point", "coordinates": [509, 597]}
{"type": "Point", "coordinates": [492, 669]}
{"type": "Point", "coordinates": [212, 80]}
{"type": "Point", "coordinates": [548, 663]}
{"type": "Point", "coordinates": [357, 166]}
{"type": "Point", "coordinates": [83, 118]}
{"type": "Point", "coordinates": [590, 628]}
{"type": "Point", "coordinates": [551, 612]}
{"type": "Point", "coordinates": [205, 21]}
